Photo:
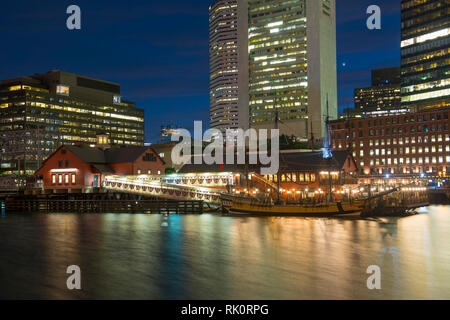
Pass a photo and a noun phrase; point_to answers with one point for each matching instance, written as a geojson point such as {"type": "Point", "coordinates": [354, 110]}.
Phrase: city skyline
{"type": "Point", "coordinates": [161, 63]}
{"type": "Point", "coordinates": [331, 182]}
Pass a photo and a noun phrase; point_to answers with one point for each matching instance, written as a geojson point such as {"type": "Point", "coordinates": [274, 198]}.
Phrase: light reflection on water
{"type": "Point", "coordinates": [126, 256]}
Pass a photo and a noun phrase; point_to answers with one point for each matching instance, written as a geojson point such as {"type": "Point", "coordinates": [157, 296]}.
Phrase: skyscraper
{"type": "Point", "coordinates": [292, 65]}
{"type": "Point", "coordinates": [425, 54]}
{"type": "Point", "coordinates": [223, 53]}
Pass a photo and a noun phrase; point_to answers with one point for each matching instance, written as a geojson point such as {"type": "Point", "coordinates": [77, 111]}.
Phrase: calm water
{"type": "Point", "coordinates": [125, 256]}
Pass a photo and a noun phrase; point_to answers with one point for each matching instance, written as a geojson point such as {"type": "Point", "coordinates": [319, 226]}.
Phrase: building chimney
{"type": "Point", "coordinates": [103, 141]}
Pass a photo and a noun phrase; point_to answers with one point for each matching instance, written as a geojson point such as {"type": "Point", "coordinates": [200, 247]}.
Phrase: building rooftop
{"type": "Point", "coordinates": [362, 116]}
{"type": "Point", "coordinates": [289, 161]}
{"type": "Point", "coordinates": [108, 156]}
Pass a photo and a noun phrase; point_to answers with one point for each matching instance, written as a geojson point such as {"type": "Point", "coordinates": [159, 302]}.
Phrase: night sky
{"type": "Point", "coordinates": [158, 50]}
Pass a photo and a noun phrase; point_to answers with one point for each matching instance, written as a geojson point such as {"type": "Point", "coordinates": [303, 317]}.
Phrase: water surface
{"type": "Point", "coordinates": [131, 256]}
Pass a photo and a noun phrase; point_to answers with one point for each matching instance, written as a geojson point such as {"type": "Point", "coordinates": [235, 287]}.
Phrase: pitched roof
{"type": "Point", "coordinates": [313, 160]}
{"type": "Point", "coordinates": [88, 155]}
{"type": "Point", "coordinates": [100, 159]}
{"type": "Point", "coordinates": [124, 155]}
{"type": "Point", "coordinates": [289, 161]}
{"type": "Point", "coordinates": [114, 155]}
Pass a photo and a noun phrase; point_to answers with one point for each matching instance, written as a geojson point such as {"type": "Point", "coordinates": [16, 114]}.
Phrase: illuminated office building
{"type": "Point", "coordinates": [39, 113]}
{"type": "Point", "coordinates": [223, 53]}
{"type": "Point", "coordinates": [383, 95]}
{"type": "Point", "coordinates": [411, 144]}
{"type": "Point", "coordinates": [292, 65]}
{"type": "Point", "coordinates": [425, 48]}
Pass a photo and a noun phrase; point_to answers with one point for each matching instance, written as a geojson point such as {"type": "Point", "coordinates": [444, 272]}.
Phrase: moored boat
{"type": "Point", "coordinates": [256, 207]}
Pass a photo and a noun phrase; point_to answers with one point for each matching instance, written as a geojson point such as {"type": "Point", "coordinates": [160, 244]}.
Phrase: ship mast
{"type": "Point", "coordinates": [278, 173]}
{"type": "Point", "coordinates": [327, 152]}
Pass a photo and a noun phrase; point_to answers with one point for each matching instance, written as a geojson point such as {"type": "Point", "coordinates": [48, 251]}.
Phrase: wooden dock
{"type": "Point", "coordinates": [398, 202]}
{"type": "Point", "coordinates": [103, 206]}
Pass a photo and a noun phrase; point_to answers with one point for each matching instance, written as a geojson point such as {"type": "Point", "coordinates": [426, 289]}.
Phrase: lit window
{"type": "Point", "coordinates": [53, 178]}
{"type": "Point", "coordinates": [74, 179]}
{"type": "Point", "coordinates": [66, 179]}
{"type": "Point", "coordinates": [60, 179]}
{"type": "Point", "coordinates": [63, 90]}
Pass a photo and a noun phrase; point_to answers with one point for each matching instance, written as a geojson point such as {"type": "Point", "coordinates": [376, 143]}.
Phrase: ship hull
{"type": "Point", "coordinates": [334, 209]}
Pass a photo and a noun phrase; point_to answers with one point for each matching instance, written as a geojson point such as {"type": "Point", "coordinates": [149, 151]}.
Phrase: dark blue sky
{"type": "Point", "coordinates": [158, 50]}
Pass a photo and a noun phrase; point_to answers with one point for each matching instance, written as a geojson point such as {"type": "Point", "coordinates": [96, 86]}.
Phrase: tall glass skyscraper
{"type": "Point", "coordinates": [425, 54]}
{"type": "Point", "coordinates": [292, 65]}
{"type": "Point", "coordinates": [223, 53]}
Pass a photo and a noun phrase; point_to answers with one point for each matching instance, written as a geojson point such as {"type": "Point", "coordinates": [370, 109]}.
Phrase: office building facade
{"type": "Point", "coordinates": [384, 93]}
{"type": "Point", "coordinates": [223, 53]}
{"type": "Point", "coordinates": [292, 65]}
{"type": "Point", "coordinates": [39, 113]}
{"type": "Point", "coordinates": [403, 145]}
{"type": "Point", "coordinates": [425, 50]}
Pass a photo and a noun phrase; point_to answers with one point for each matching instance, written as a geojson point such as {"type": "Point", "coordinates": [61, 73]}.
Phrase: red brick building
{"type": "Point", "coordinates": [404, 145]}
{"type": "Point", "coordinates": [82, 168]}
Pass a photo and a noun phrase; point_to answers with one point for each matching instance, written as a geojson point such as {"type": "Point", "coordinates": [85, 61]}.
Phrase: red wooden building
{"type": "Point", "coordinates": [80, 168]}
